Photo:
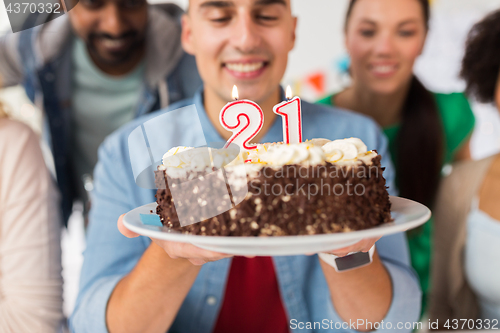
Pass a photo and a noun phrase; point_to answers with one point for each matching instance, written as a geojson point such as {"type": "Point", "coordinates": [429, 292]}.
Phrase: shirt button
{"type": "Point", "coordinates": [211, 300]}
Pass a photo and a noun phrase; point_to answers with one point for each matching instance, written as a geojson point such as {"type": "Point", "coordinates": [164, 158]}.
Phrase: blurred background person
{"type": "Point", "coordinates": [93, 70]}
{"type": "Point", "coordinates": [30, 252]}
{"type": "Point", "coordinates": [425, 130]}
{"type": "Point", "coordinates": [466, 269]}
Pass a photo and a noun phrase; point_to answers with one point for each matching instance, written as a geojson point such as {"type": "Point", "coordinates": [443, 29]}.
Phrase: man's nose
{"type": "Point", "coordinates": [245, 35]}
{"type": "Point", "coordinates": [112, 21]}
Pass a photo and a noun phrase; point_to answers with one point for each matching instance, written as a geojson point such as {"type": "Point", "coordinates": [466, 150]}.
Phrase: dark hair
{"type": "Point", "coordinates": [421, 131]}
{"type": "Point", "coordinates": [425, 7]}
{"type": "Point", "coordinates": [481, 63]}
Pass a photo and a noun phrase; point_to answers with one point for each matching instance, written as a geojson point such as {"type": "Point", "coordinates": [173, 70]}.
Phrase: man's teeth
{"type": "Point", "coordinates": [245, 68]}
{"type": "Point", "coordinates": [384, 69]}
{"type": "Point", "coordinates": [113, 43]}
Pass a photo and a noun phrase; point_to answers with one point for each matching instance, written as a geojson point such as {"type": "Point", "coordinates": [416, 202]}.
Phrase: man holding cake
{"type": "Point", "coordinates": [139, 285]}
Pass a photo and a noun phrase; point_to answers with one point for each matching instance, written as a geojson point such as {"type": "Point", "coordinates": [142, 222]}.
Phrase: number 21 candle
{"type": "Point", "coordinates": [291, 115]}
{"type": "Point", "coordinates": [244, 118]}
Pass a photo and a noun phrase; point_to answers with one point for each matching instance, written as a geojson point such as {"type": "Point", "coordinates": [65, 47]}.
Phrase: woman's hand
{"type": "Point", "coordinates": [194, 254]}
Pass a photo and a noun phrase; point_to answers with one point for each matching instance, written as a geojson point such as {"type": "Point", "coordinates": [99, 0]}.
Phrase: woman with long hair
{"type": "Point", "coordinates": [30, 249]}
{"type": "Point", "coordinates": [466, 267]}
{"type": "Point", "coordinates": [425, 130]}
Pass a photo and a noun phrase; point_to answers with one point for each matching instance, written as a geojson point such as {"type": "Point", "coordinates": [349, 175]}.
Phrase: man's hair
{"type": "Point", "coordinates": [481, 63]}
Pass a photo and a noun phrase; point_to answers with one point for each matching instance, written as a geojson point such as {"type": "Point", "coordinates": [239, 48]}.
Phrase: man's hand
{"type": "Point", "coordinates": [194, 254]}
{"type": "Point", "coordinates": [362, 246]}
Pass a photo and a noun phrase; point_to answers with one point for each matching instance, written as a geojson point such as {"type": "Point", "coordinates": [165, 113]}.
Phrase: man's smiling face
{"type": "Point", "coordinates": [113, 30]}
{"type": "Point", "coordinates": [240, 42]}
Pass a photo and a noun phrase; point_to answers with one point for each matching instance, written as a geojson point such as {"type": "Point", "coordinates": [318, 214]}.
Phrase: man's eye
{"type": "Point", "coordinates": [267, 18]}
{"type": "Point", "coordinates": [223, 19]}
{"type": "Point", "coordinates": [367, 33]}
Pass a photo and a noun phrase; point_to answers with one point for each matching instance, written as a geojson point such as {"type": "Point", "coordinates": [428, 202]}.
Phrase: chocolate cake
{"type": "Point", "coordinates": [315, 187]}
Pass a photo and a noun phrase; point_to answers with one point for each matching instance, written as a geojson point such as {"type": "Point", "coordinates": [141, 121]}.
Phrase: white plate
{"type": "Point", "coordinates": [407, 215]}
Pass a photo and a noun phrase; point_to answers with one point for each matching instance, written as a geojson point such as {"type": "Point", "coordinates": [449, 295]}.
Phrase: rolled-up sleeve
{"type": "Point", "coordinates": [109, 256]}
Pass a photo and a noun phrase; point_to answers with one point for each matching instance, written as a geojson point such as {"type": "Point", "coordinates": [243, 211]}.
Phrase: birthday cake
{"type": "Point", "coordinates": [315, 187]}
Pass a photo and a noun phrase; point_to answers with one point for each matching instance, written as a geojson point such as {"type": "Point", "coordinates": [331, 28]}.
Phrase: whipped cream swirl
{"type": "Point", "coordinates": [283, 154]}
{"type": "Point", "coordinates": [177, 161]}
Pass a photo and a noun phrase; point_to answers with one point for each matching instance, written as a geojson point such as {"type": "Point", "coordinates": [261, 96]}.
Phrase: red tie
{"type": "Point", "coordinates": [252, 301]}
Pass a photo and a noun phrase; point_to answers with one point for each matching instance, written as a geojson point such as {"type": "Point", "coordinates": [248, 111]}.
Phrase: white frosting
{"type": "Point", "coordinates": [178, 160]}
{"type": "Point", "coordinates": [174, 162]}
{"type": "Point", "coordinates": [262, 148]}
{"type": "Point", "coordinates": [347, 152]}
{"type": "Point", "coordinates": [319, 142]}
{"type": "Point", "coordinates": [342, 150]}
{"type": "Point", "coordinates": [304, 153]}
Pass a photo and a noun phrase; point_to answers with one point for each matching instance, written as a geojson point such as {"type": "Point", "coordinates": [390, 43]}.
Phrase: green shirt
{"type": "Point", "coordinates": [101, 103]}
{"type": "Point", "coordinates": [458, 123]}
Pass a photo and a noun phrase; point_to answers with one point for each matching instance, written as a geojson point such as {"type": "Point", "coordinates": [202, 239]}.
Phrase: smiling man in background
{"type": "Point", "coordinates": [144, 285]}
{"type": "Point", "coordinates": [93, 70]}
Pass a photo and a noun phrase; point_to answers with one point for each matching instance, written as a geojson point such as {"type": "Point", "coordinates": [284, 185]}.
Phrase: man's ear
{"type": "Point", "coordinates": [187, 34]}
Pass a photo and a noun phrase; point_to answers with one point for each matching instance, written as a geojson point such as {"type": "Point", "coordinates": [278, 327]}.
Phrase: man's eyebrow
{"type": "Point", "coordinates": [217, 4]}
{"type": "Point", "coordinates": [270, 2]}
{"type": "Point", "coordinates": [368, 21]}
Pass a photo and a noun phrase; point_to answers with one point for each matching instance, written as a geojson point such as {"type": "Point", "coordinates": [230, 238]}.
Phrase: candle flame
{"type": "Point", "coordinates": [235, 92]}
{"type": "Point", "coordinates": [289, 94]}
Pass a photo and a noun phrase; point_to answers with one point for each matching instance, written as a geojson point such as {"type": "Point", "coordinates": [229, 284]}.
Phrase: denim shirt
{"type": "Point", "coordinates": [305, 295]}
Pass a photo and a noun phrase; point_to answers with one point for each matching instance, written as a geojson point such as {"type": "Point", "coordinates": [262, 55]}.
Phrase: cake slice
{"type": "Point", "coordinates": [315, 187]}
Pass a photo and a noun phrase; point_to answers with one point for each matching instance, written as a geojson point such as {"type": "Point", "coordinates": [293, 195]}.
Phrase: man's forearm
{"type": "Point", "coordinates": [148, 299]}
{"type": "Point", "coordinates": [364, 293]}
